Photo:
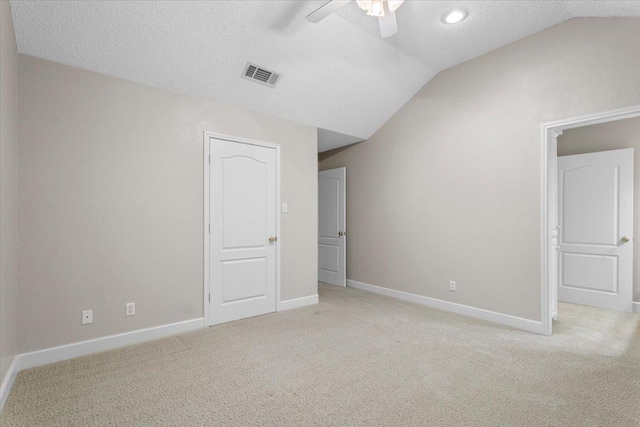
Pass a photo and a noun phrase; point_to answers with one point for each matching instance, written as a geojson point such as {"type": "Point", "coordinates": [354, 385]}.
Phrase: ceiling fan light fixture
{"type": "Point", "coordinates": [376, 7]}
{"type": "Point", "coordinates": [455, 16]}
{"type": "Point", "coordinates": [394, 4]}
{"type": "Point", "coordinates": [372, 7]}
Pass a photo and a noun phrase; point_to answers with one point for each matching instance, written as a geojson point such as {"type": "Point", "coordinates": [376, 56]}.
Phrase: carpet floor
{"type": "Point", "coordinates": [354, 359]}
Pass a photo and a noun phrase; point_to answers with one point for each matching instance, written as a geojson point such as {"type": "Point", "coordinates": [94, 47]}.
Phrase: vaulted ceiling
{"type": "Point", "coordinates": [338, 75]}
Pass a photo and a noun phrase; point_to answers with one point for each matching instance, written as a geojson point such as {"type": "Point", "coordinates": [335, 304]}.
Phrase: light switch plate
{"type": "Point", "coordinates": [285, 207]}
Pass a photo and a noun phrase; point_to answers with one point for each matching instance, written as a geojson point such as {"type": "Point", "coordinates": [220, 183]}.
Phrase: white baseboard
{"type": "Point", "coordinates": [478, 313]}
{"type": "Point", "coordinates": [7, 381]}
{"type": "Point", "coordinates": [82, 348]}
{"type": "Point", "coordinates": [636, 307]}
{"type": "Point", "coordinates": [298, 302]}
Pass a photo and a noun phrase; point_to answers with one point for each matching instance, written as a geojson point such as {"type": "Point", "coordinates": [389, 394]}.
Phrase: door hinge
{"type": "Point", "coordinates": [209, 158]}
{"type": "Point", "coordinates": [209, 228]}
{"type": "Point", "coordinates": [209, 298]}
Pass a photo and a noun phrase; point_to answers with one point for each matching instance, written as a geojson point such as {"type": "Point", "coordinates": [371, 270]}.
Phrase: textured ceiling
{"type": "Point", "coordinates": [489, 25]}
{"type": "Point", "coordinates": [338, 75]}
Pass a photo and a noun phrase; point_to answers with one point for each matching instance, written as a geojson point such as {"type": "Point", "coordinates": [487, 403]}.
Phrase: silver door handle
{"type": "Point", "coordinates": [625, 239]}
{"type": "Point", "coordinates": [273, 239]}
{"type": "Point", "coordinates": [342, 233]}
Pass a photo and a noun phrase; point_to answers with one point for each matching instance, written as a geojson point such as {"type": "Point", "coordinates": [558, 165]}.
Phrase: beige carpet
{"type": "Point", "coordinates": [354, 359]}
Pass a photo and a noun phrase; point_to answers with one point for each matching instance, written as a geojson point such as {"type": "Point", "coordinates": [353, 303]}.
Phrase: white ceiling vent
{"type": "Point", "coordinates": [260, 75]}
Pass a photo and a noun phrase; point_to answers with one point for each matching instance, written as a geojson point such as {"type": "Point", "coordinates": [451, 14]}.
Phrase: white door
{"type": "Point", "coordinates": [243, 230]}
{"type": "Point", "coordinates": [332, 234]}
{"type": "Point", "coordinates": [595, 206]}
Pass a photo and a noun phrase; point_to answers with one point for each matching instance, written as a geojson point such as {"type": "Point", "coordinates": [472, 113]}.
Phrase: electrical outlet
{"type": "Point", "coordinates": [285, 207]}
{"type": "Point", "coordinates": [87, 317]}
{"type": "Point", "coordinates": [452, 285]}
{"type": "Point", "coordinates": [130, 308]}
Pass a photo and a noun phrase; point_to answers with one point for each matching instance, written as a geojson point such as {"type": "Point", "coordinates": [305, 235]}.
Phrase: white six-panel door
{"type": "Point", "coordinates": [595, 206]}
{"type": "Point", "coordinates": [332, 234]}
{"type": "Point", "coordinates": [243, 240]}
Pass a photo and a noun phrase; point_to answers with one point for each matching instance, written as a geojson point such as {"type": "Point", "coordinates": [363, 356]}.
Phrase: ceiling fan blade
{"type": "Point", "coordinates": [325, 10]}
{"type": "Point", "coordinates": [388, 24]}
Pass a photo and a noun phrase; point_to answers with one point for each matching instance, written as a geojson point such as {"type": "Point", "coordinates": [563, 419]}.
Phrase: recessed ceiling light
{"type": "Point", "coordinates": [455, 16]}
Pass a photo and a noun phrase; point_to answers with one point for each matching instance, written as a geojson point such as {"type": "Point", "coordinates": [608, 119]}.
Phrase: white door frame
{"type": "Point", "coordinates": [549, 137]}
{"type": "Point", "coordinates": [205, 229]}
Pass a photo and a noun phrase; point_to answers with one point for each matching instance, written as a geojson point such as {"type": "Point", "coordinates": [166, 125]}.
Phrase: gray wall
{"type": "Point", "coordinates": [612, 136]}
{"type": "Point", "coordinates": [449, 187]}
{"type": "Point", "coordinates": [8, 205]}
{"type": "Point", "coordinates": [110, 180]}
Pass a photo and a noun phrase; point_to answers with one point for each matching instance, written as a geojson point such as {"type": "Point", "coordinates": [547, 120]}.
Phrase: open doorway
{"type": "Point", "coordinates": [588, 255]}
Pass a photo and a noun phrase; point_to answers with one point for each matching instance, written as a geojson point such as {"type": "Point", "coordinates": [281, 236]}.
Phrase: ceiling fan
{"type": "Point", "coordinates": [385, 10]}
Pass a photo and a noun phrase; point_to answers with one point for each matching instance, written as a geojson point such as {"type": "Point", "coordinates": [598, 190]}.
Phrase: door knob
{"type": "Point", "coordinates": [273, 239]}
{"type": "Point", "coordinates": [342, 233]}
{"type": "Point", "coordinates": [625, 239]}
